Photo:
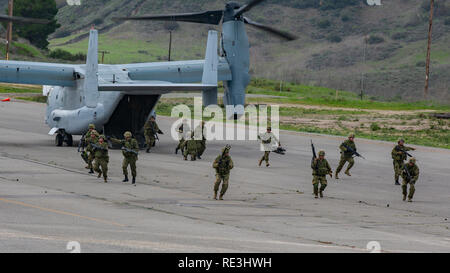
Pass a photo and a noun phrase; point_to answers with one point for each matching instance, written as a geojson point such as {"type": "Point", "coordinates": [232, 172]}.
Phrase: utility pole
{"type": "Point", "coordinates": [427, 78]}
{"type": "Point", "coordinates": [170, 45]}
{"type": "Point", "coordinates": [103, 52]}
{"type": "Point", "coordinates": [364, 67]}
{"type": "Point", "coordinates": [9, 28]}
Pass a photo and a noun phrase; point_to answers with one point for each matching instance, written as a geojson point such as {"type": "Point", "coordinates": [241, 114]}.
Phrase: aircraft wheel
{"type": "Point", "coordinates": [69, 140]}
{"type": "Point", "coordinates": [59, 139]}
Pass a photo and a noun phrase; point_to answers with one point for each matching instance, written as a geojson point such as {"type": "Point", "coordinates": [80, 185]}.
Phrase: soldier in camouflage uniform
{"type": "Point", "coordinates": [182, 135]}
{"type": "Point", "coordinates": [223, 164]}
{"type": "Point", "coordinates": [101, 158]}
{"type": "Point", "coordinates": [92, 139]}
{"type": "Point", "coordinates": [346, 155]}
{"type": "Point", "coordinates": [151, 130]}
{"type": "Point", "coordinates": [399, 156]}
{"type": "Point", "coordinates": [266, 145]}
{"type": "Point", "coordinates": [409, 177]}
{"type": "Point", "coordinates": [130, 150]}
{"type": "Point", "coordinates": [200, 139]}
{"type": "Point", "coordinates": [321, 169]}
{"type": "Point", "coordinates": [190, 148]}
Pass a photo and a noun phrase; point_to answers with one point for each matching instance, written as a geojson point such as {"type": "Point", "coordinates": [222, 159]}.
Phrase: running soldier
{"type": "Point", "coordinates": [410, 176]}
{"type": "Point", "coordinates": [200, 139]}
{"type": "Point", "coordinates": [92, 139]}
{"type": "Point", "coordinates": [101, 158]}
{"type": "Point", "coordinates": [130, 152]}
{"type": "Point", "coordinates": [321, 169]}
{"type": "Point", "coordinates": [348, 149]}
{"type": "Point", "coordinates": [266, 145]}
{"type": "Point", "coordinates": [183, 131]}
{"type": "Point", "coordinates": [151, 131]}
{"type": "Point", "coordinates": [190, 148]}
{"type": "Point", "coordinates": [399, 155]}
{"type": "Point", "coordinates": [223, 164]}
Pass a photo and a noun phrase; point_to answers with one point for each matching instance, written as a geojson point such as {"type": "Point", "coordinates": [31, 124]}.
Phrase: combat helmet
{"type": "Point", "coordinates": [127, 134]}
{"type": "Point", "coordinates": [102, 136]}
{"type": "Point", "coordinates": [94, 132]}
{"type": "Point", "coordinates": [400, 140]}
{"type": "Point", "coordinates": [322, 153]}
{"type": "Point", "coordinates": [351, 135]}
{"type": "Point", "coordinates": [91, 126]}
{"type": "Point", "coordinates": [412, 160]}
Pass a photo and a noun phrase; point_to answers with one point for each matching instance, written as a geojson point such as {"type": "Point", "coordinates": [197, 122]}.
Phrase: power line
{"type": "Point", "coordinates": [430, 29]}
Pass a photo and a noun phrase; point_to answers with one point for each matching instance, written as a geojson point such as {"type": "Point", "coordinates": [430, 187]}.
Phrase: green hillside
{"type": "Point", "coordinates": [328, 53]}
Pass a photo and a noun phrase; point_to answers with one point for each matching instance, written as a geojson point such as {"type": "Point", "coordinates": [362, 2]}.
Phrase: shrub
{"type": "Point", "coordinates": [324, 23]}
{"type": "Point", "coordinates": [373, 39]}
{"type": "Point", "coordinates": [334, 38]}
{"type": "Point", "coordinates": [65, 55]}
{"type": "Point", "coordinates": [399, 35]}
{"type": "Point", "coordinates": [374, 126]}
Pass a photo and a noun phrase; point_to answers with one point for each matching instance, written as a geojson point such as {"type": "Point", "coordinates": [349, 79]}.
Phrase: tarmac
{"type": "Point", "coordinates": [48, 199]}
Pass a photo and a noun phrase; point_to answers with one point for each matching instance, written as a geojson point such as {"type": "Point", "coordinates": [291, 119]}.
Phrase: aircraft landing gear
{"type": "Point", "coordinates": [59, 139]}
{"type": "Point", "coordinates": [62, 137]}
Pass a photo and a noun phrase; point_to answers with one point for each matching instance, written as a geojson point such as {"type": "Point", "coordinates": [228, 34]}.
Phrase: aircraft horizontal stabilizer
{"type": "Point", "coordinates": [156, 88]}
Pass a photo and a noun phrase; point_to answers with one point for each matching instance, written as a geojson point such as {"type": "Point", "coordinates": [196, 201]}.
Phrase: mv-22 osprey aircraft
{"type": "Point", "coordinates": [119, 98]}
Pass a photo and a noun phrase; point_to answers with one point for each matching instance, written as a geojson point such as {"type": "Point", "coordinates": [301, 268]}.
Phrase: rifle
{"type": "Point", "coordinates": [353, 151]}
{"type": "Point", "coordinates": [404, 151]}
{"type": "Point", "coordinates": [221, 157]}
{"type": "Point", "coordinates": [125, 149]}
{"type": "Point", "coordinates": [280, 150]}
{"type": "Point", "coordinates": [96, 147]}
{"type": "Point", "coordinates": [408, 174]}
{"type": "Point", "coordinates": [313, 152]}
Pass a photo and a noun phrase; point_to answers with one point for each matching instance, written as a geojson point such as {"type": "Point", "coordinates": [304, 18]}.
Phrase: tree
{"type": "Point", "coordinates": [44, 9]}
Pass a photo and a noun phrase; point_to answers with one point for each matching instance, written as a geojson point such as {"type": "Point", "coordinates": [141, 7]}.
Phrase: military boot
{"type": "Point", "coordinates": [347, 173]}
{"type": "Point", "coordinates": [267, 165]}
{"type": "Point", "coordinates": [215, 195]}
{"type": "Point", "coordinates": [91, 171]}
{"type": "Point", "coordinates": [105, 179]}
{"type": "Point", "coordinates": [99, 175]}
{"type": "Point", "coordinates": [409, 199]}
{"type": "Point", "coordinates": [396, 183]}
{"type": "Point", "coordinates": [321, 194]}
{"type": "Point", "coordinates": [134, 180]}
{"type": "Point", "coordinates": [198, 156]}
{"type": "Point", "coordinates": [260, 162]}
{"type": "Point", "coordinates": [336, 176]}
{"type": "Point", "coordinates": [221, 197]}
{"type": "Point", "coordinates": [148, 150]}
{"type": "Point", "coordinates": [404, 197]}
{"type": "Point", "coordinates": [316, 196]}
{"type": "Point", "coordinates": [126, 179]}
{"type": "Point", "coordinates": [176, 150]}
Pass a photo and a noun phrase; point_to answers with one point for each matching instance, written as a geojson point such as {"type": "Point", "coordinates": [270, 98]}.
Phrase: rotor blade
{"type": "Point", "coordinates": [16, 19]}
{"type": "Point", "coordinates": [248, 7]}
{"type": "Point", "coordinates": [208, 17]}
{"type": "Point", "coordinates": [276, 32]}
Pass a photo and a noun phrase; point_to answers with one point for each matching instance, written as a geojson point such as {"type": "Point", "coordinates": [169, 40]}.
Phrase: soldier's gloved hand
{"type": "Point", "coordinates": [160, 132]}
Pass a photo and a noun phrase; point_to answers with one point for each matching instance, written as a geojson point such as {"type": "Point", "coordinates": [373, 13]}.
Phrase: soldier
{"type": "Point", "coordinates": [346, 155]}
{"type": "Point", "coordinates": [399, 155]}
{"type": "Point", "coordinates": [151, 130]}
{"type": "Point", "coordinates": [92, 139]}
{"type": "Point", "coordinates": [190, 148]}
{"type": "Point", "coordinates": [223, 164]}
{"type": "Point", "coordinates": [320, 168]}
{"type": "Point", "coordinates": [101, 158]}
{"type": "Point", "coordinates": [200, 139]}
{"type": "Point", "coordinates": [410, 175]}
{"type": "Point", "coordinates": [182, 135]}
{"type": "Point", "coordinates": [266, 144]}
{"type": "Point", "coordinates": [130, 151]}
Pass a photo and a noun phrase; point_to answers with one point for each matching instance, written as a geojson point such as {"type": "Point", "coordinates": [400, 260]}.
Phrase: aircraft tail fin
{"type": "Point", "coordinates": [210, 69]}
{"type": "Point", "coordinates": [91, 93]}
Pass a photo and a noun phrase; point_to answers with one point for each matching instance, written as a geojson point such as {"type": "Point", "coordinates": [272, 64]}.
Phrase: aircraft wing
{"type": "Point", "coordinates": [156, 87]}
{"type": "Point", "coordinates": [176, 72]}
{"type": "Point", "coordinates": [37, 73]}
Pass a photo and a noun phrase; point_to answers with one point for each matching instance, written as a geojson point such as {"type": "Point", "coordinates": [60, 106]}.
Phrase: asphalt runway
{"type": "Point", "coordinates": [48, 199]}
